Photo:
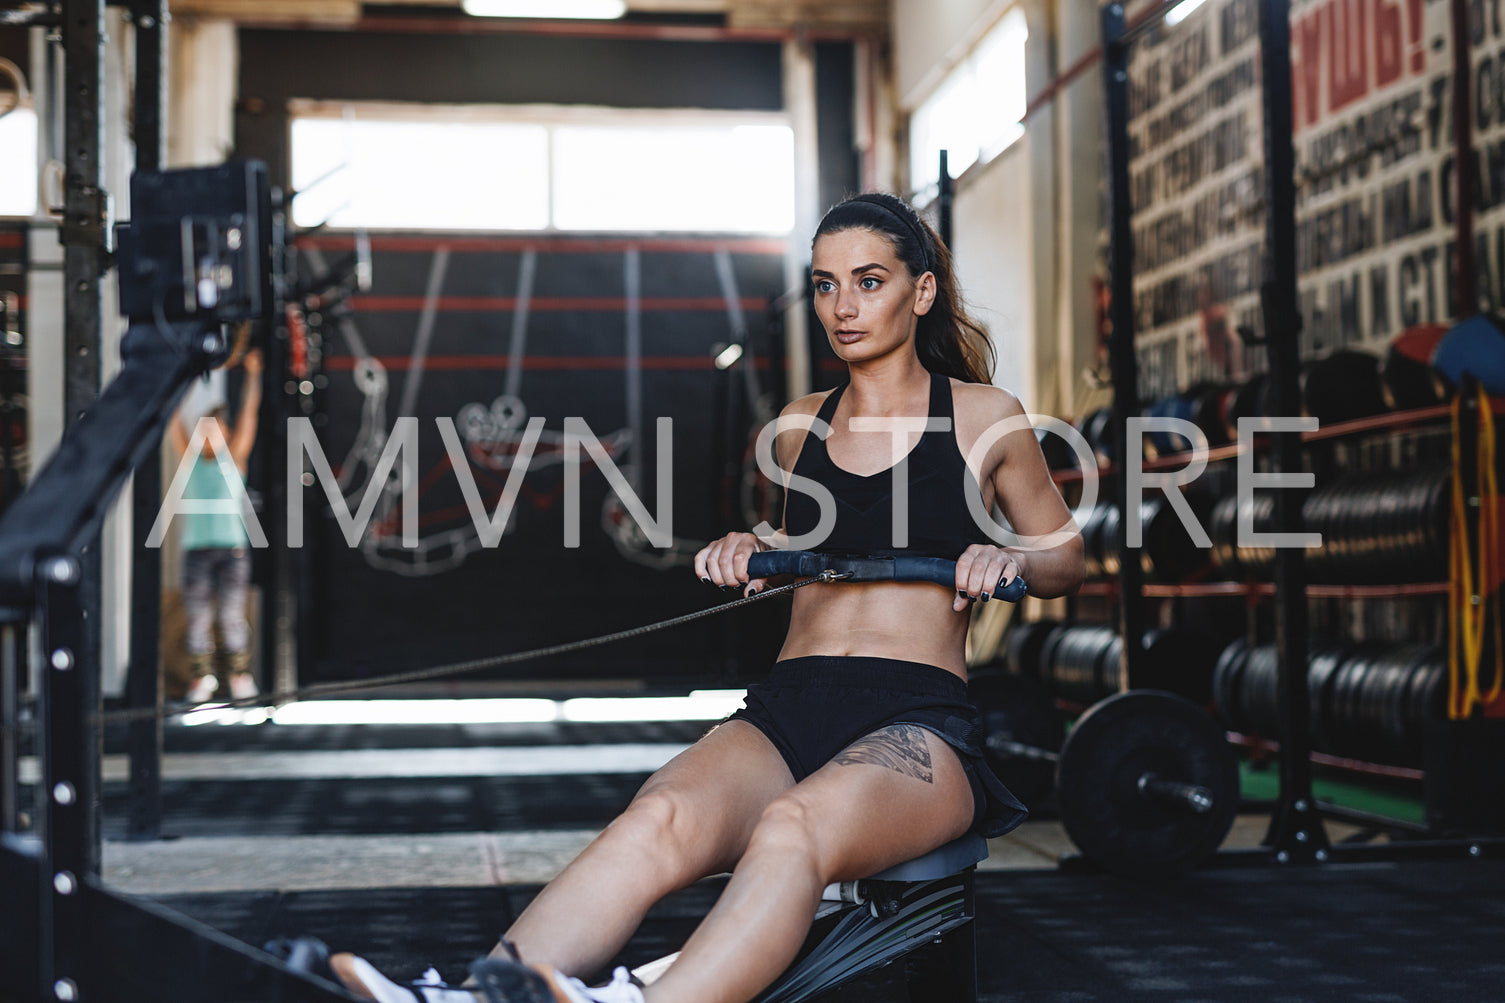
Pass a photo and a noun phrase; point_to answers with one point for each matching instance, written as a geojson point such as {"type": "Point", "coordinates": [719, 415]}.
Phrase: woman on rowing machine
{"type": "Point", "coordinates": [861, 750]}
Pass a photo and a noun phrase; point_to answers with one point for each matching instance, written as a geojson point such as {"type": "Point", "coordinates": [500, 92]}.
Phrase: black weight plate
{"type": "Point", "coordinates": [1181, 661]}
{"type": "Point", "coordinates": [1316, 517]}
{"type": "Point", "coordinates": [1258, 692]}
{"type": "Point", "coordinates": [1053, 639]}
{"type": "Point", "coordinates": [1343, 386]}
{"type": "Point", "coordinates": [1398, 733]}
{"type": "Point", "coordinates": [1024, 645]}
{"type": "Point", "coordinates": [1352, 737]}
{"type": "Point", "coordinates": [1096, 429]}
{"type": "Point", "coordinates": [1170, 554]}
{"type": "Point", "coordinates": [1019, 710]}
{"type": "Point", "coordinates": [1248, 402]}
{"type": "Point", "coordinates": [1207, 413]}
{"type": "Point", "coordinates": [1108, 541]}
{"type": "Point", "coordinates": [1407, 373]}
{"type": "Point", "coordinates": [1225, 685]}
{"type": "Point", "coordinates": [1097, 784]}
{"type": "Point", "coordinates": [1057, 450]}
{"type": "Point", "coordinates": [1321, 667]}
{"type": "Point", "coordinates": [1223, 530]}
{"type": "Point", "coordinates": [1092, 547]}
{"type": "Point", "coordinates": [1427, 699]}
{"type": "Point", "coordinates": [1108, 667]}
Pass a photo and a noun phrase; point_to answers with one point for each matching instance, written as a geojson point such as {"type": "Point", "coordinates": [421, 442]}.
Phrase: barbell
{"type": "Point", "coordinates": [1145, 783]}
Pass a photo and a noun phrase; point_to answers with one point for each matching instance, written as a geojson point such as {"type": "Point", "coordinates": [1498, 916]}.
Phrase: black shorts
{"type": "Point", "coordinates": [811, 708]}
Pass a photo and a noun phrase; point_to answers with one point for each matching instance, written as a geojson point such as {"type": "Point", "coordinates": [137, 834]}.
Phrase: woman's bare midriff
{"type": "Point", "coordinates": [909, 621]}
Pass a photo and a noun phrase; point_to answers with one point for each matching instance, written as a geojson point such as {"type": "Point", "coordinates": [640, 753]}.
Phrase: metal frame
{"type": "Point", "coordinates": [78, 922]}
{"type": "Point", "coordinates": [1122, 362]}
{"type": "Point", "coordinates": [1296, 834]}
{"type": "Point", "coordinates": [143, 686]}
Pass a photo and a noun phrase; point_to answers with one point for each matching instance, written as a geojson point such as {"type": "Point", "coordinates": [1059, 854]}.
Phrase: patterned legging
{"type": "Point", "coordinates": [215, 580]}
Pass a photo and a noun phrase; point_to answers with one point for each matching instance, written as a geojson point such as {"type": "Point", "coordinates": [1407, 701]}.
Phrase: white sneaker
{"type": "Point", "coordinates": [202, 689]}
{"type": "Point", "coordinates": [510, 982]}
{"type": "Point", "coordinates": [243, 686]}
{"type": "Point", "coordinates": [360, 977]}
{"type": "Point", "coordinates": [620, 990]}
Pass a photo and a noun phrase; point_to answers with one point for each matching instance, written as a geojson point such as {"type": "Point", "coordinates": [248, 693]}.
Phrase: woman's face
{"type": "Point", "coordinates": [864, 295]}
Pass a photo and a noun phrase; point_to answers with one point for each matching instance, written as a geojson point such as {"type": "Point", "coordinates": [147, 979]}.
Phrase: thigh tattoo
{"type": "Point", "coordinates": [900, 747]}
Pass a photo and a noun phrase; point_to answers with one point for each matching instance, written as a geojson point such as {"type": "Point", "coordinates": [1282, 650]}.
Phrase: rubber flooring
{"type": "Point", "coordinates": [1372, 932]}
{"type": "Point", "coordinates": [1366, 933]}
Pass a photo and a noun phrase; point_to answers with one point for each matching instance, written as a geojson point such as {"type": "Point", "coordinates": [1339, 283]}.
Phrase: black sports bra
{"type": "Point", "coordinates": [940, 523]}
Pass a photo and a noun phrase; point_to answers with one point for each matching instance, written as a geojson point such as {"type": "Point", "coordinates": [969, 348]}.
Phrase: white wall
{"type": "Point", "coordinates": [930, 35]}
{"type": "Point", "coordinates": [995, 265]}
{"type": "Point", "coordinates": [1027, 226]}
{"type": "Point", "coordinates": [203, 60]}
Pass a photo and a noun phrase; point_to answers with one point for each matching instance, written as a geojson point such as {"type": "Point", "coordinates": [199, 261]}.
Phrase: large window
{"type": "Point", "coordinates": [978, 108]}
{"type": "Point", "coordinates": [18, 162]}
{"type": "Point", "coordinates": [542, 169]}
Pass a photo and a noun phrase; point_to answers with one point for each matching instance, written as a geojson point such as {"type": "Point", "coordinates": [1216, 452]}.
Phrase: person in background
{"type": "Point", "coordinates": [216, 555]}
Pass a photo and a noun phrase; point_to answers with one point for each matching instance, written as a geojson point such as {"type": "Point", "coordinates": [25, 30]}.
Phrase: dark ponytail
{"type": "Point", "coordinates": [947, 339]}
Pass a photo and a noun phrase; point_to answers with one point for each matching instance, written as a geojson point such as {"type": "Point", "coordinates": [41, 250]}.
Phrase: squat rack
{"type": "Point", "coordinates": [1296, 834]}
{"type": "Point", "coordinates": [73, 938]}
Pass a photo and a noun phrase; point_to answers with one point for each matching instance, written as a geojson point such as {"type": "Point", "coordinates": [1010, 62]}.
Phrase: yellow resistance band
{"type": "Point", "coordinates": [1474, 607]}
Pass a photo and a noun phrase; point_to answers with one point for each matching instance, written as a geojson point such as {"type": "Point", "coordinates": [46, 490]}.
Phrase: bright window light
{"type": "Point", "coordinates": [594, 9]}
{"type": "Point", "coordinates": [1179, 13]}
{"type": "Point", "coordinates": [18, 180]}
{"type": "Point", "coordinates": [978, 109]}
{"type": "Point", "coordinates": [543, 169]}
{"type": "Point", "coordinates": [736, 178]}
{"type": "Point", "coordinates": [699, 705]}
{"type": "Point", "coordinates": [706, 705]}
{"type": "Point", "coordinates": [476, 711]}
{"type": "Point", "coordinates": [354, 173]}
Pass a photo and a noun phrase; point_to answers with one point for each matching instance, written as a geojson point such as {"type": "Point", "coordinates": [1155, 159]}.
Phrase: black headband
{"type": "Point", "coordinates": [882, 203]}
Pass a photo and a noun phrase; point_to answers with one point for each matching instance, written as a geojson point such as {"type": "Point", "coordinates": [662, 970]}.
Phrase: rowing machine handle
{"type": "Point", "coordinates": [902, 568]}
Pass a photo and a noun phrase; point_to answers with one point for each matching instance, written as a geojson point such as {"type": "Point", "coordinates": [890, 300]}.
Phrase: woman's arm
{"type": "Point", "coordinates": [1047, 551]}
{"type": "Point", "coordinates": [244, 437]}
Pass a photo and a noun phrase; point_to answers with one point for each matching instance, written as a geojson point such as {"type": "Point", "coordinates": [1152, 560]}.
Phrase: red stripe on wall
{"type": "Point", "coordinates": [12, 240]}
{"type": "Point", "coordinates": [552, 245]}
{"type": "Point", "coordinates": [582, 304]}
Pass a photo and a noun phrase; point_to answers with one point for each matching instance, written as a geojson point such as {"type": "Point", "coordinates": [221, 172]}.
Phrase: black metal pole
{"type": "Point", "coordinates": [945, 197]}
{"type": "Point", "coordinates": [83, 237]}
{"type": "Point", "coordinates": [1296, 834]}
{"type": "Point", "coordinates": [12, 657]}
{"type": "Point", "coordinates": [1122, 361]}
{"type": "Point", "coordinates": [1465, 278]}
{"type": "Point", "coordinates": [144, 679]}
{"type": "Point", "coordinates": [69, 758]}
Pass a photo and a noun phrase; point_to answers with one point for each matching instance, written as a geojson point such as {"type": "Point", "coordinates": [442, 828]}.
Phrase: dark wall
{"type": "Point", "coordinates": [364, 613]}
{"type": "Point", "coordinates": [375, 612]}
{"type": "Point", "coordinates": [276, 66]}
{"type": "Point", "coordinates": [836, 136]}
{"type": "Point", "coordinates": [15, 45]}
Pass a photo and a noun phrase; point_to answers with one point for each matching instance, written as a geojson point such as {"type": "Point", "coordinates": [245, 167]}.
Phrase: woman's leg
{"type": "Point", "coordinates": [232, 581]}
{"type": "Point", "coordinates": [198, 606]}
{"type": "Point", "coordinates": [691, 819]}
{"type": "Point", "coordinates": [886, 798]}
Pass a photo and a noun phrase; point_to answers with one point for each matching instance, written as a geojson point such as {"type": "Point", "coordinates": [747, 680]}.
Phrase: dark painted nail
{"type": "Point", "coordinates": [708, 581]}
{"type": "Point", "coordinates": [962, 594]}
{"type": "Point", "coordinates": [751, 593]}
{"type": "Point", "coordinates": [986, 596]}
{"type": "Point", "coordinates": [731, 588]}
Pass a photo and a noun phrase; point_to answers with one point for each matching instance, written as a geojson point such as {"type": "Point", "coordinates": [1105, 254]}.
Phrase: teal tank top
{"type": "Point", "coordinates": [203, 531]}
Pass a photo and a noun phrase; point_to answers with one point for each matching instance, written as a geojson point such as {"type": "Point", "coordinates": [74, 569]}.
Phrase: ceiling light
{"type": "Point", "coordinates": [603, 10]}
